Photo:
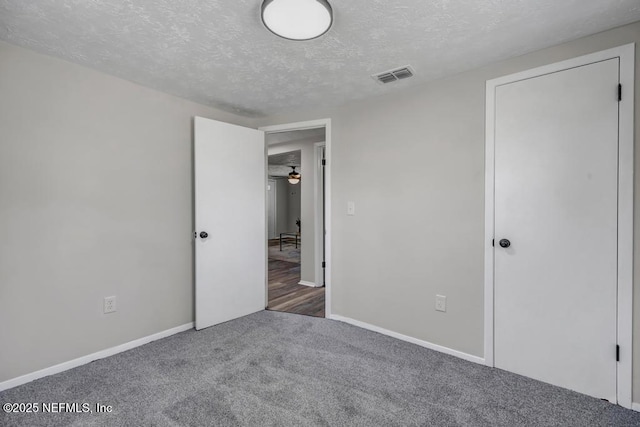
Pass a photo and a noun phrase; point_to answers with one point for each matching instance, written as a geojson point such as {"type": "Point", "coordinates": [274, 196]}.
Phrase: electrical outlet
{"type": "Point", "coordinates": [441, 303]}
{"type": "Point", "coordinates": [110, 304]}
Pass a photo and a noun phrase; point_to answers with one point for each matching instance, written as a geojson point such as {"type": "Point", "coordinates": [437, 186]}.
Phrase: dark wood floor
{"type": "Point", "coordinates": [284, 292]}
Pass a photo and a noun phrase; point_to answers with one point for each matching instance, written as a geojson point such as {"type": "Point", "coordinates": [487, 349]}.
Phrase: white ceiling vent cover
{"type": "Point", "coordinates": [393, 75]}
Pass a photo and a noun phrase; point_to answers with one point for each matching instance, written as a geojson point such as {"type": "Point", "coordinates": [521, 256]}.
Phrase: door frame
{"type": "Point", "coordinates": [626, 56]}
{"type": "Point", "coordinates": [318, 199]}
{"type": "Point", "coordinates": [315, 124]}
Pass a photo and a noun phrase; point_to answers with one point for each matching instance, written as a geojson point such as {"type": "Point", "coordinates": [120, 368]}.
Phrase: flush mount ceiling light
{"type": "Point", "coordinates": [294, 177]}
{"type": "Point", "coordinates": [297, 19]}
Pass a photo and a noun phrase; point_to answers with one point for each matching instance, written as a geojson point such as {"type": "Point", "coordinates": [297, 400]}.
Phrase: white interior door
{"type": "Point", "coordinates": [230, 259]}
{"type": "Point", "coordinates": [556, 169]}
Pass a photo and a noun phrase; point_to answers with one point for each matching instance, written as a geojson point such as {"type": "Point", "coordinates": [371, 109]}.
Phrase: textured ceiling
{"type": "Point", "coordinates": [280, 164]}
{"type": "Point", "coordinates": [218, 52]}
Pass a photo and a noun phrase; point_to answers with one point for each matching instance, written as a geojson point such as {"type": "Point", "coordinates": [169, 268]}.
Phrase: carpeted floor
{"type": "Point", "coordinates": [278, 369]}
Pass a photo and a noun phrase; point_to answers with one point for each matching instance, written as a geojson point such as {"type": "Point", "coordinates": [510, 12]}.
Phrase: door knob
{"type": "Point", "coordinates": [505, 243]}
{"type": "Point", "coordinates": [204, 234]}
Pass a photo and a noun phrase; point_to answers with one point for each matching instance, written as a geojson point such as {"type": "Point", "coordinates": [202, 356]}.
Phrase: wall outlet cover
{"type": "Point", "coordinates": [441, 303]}
{"type": "Point", "coordinates": [109, 304]}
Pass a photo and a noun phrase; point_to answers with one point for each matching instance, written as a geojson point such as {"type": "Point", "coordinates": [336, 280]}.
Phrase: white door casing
{"type": "Point", "coordinates": [319, 202]}
{"type": "Point", "coordinates": [558, 188]}
{"type": "Point", "coordinates": [230, 184]}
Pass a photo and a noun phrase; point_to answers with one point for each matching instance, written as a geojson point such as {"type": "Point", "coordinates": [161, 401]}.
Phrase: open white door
{"type": "Point", "coordinates": [230, 247]}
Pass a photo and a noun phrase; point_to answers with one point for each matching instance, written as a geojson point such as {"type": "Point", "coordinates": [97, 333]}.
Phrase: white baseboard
{"type": "Point", "coordinates": [65, 366]}
{"type": "Point", "coordinates": [426, 344]}
{"type": "Point", "coordinates": [305, 283]}
{"type": "Point", "coordinates": [635, 406]}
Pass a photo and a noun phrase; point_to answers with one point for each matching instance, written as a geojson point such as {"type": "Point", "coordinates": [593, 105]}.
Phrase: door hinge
{"type": "Point", "coordinates": [324, 162]}
{"type": "Point", "coordinates": [324, 264]}
{"type": "Point", "coordinates": [619, 92]}
{"type": "Point", "coordinates": [617, 353]}
{"type": "Point", "coordinates": [493, 242]}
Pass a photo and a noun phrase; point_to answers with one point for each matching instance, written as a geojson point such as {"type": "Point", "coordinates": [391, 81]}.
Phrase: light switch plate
{"type": "Point", "coordinates": [441, 303]}
{"type": "Point", "coordinates": [351, 208]}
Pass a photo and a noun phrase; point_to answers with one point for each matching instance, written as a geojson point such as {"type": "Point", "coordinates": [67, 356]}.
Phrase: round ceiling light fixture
{"type": "Point", "coordinates": [297, 19]}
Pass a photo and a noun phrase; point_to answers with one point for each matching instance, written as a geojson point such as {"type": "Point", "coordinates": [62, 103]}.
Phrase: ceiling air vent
{"type": "Point", "coordinates": [393, 75]}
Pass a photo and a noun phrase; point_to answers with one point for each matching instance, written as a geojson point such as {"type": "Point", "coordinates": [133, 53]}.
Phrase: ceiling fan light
{"type": "Point", "coordinates": [294, 177]}
{"type": "Point", "coordinates": [297, 19]}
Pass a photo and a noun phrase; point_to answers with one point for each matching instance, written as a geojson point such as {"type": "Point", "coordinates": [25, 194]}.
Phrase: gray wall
{"type": "Point", "coordinates": [420, 232]}
{"type": "Point", "coordinates": [95, 200]}
{"type": "Point", "coordinates": [287, 205]}
{"type": "Point", "coordinates": [282, 206]}
{"type": "Point", "coordinates": [306, 193]}
{"type": "Point", "coordinates": [272, 208]}
{"type": "Point", "coordinates": [294, 204]}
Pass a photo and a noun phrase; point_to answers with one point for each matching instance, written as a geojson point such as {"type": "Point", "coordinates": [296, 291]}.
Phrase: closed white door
{"type": "Point", "coordinates": [230, 247]}
{"type": "Point", "coordinates": [556, 169]}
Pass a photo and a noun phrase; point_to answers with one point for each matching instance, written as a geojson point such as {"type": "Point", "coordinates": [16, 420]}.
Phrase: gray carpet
{"type": "Point", "coordinates": [279, 369]}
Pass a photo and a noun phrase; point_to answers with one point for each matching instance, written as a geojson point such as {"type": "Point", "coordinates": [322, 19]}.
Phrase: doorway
{"type": "Point", "coordinates": [230, 239]}
{"type": "Point", "coordinates": [559, 223]}
{"type": "Point", "coordinates": [296, 263]}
